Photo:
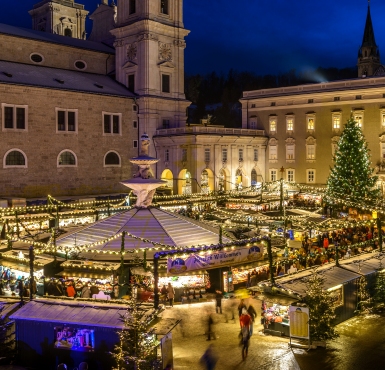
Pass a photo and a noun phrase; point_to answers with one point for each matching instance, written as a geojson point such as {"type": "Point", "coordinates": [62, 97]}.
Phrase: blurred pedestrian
{"type": "Point", "coordinates": [218, 298]}
{"type": "Point", "coordinates": [71, 290]}
{"type": "Point", "coordinates": [209, 358]}
{"type": "Point", "coordinates": [253, 314]}
{"type": "Point", "coordinates": [245, 320]}
{"type": "Point", "coordinates": [170, 294]}
{"type": "Point", "coordinates": [210, 326]}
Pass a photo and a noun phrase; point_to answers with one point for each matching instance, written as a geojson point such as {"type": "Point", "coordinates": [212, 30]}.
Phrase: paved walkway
{"type": "Point", "coordinates": [189, 339]}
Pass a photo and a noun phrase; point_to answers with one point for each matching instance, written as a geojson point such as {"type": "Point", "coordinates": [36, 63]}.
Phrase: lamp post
{"type": "Point", "coordinates": [282, 170]}
{"type": "Point", "coordinates": [156, 281]}
{"type": "Point", "coordinates": [270, 255]}
{"type": "Point", "coordinates": [31, 279]}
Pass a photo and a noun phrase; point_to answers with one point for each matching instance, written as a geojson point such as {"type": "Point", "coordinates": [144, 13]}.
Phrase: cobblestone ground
{"type": "Point", "coordinates": [189, 339]}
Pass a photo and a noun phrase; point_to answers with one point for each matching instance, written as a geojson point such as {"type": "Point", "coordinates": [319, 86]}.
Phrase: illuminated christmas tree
{"type": "Point", "coordinates": [379, 291]}
{"type": "Point", "coordinates": [321, 309]}
{"type": "Point", "coordinates": [365, 301]}
{"type": "Point", "coordinates": [138, 342]}
{"type": "Point", "coordinates": [352, 176]}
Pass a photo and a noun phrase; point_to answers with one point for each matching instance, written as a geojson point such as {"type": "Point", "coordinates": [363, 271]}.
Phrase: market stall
{"type": "Point", "coordinates": [100, 276]}
{"type": "Point", "coordinates": [15, 265]}
{"type": "Point", "coordinates": [51, 331]}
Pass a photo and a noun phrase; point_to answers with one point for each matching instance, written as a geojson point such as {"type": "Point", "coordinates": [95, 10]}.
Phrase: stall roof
{"type": "Point", "coordinates": [364, 264]}
{"type": "Point", "coordinates": [71, 313]}
{"type": "Point", "coordinates": [85, 274]}
{"type": "Point", "coordinates": [17, 266]}
{"type": "Point", "coordinates": [7, 307]}
{"type": "Point", "coordinates": [333, 276]}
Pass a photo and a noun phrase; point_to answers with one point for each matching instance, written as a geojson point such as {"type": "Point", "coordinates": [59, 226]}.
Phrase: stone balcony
{"type": "Point", "coordinates": [198, 130]}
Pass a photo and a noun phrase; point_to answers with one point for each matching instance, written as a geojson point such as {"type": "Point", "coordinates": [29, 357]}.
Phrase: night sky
{"type": "Point", "coordinates": [263, 36]}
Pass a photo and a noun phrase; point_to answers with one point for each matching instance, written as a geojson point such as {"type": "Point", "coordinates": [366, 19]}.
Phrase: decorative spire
{"type": "Point", "coordinates": [368, 40]}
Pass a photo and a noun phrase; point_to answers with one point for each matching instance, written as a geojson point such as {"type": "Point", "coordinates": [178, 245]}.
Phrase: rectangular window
{"type": "Point", "coordinates": [310, 101]}
{"type": "Point", "coordinates": [184, 155]}
{"type": "Point", "coordinates": [224, 155]}
{"type": "Point", "coordinates": [111, 123]}
{"type": "Point", "coordinates": [336, 98]}
{"type": "Point", "coordinates": [358, 97]}
{"type": "Point", "coordinates": [207, 154]}
{"type": "Point", "coordinates": [273, 152]}
{"type": "Point", "coordinates": [134, 108]}
{"type": "Point", "coordinates": [310, 151]}
{"type": "Point", "coordinates": [253, 125]}
{"type": "Point", "coordinates": [255, 155]}
{"type": "Point", "coordinates": [165, 83]}
{"type": "Point", "coordinates": [164, 6]}
{"type": "Point", "coordinates": [290, 152]}
{"type": "Point", "coordinates": [252, 105]}
{"type": "Point", "coordinates": [383, 150]}
{"type": "Point", "coordinates": [310, 123]}
{"type": "Point", "coordinates": [273, 125]}
{"type": "Point", "coordinates": [336, 122]}
{"type": "Point", "coordinates": [66, 120]}
{"type": "Point", "coordinates": [289, 124]}
{"type": "Point", "coordinates": [131, 83]}
{"type": "Point", "coordinates": [272, 104]}
{"type": "Point", "coordinates": [14, 117]}
{"type": "Point", "coordinates": [240, 154]}
{"type": "Point", "coordinates": [310, 176]}
{"type": "Point", "coordinates": [135, 124]}
{"type": "Point", "coordinates": [167, 155]}
{"type": "Point", "coordinates": [359, 118]}
{"type": "Point", "coordinates": [290, 175]}
{"type": "Point", "coordinates": [132, 7]}
{"type": "Point", "coordinates": [135, 143]}
{"type": "Point", "coordinates": [166, 123]}
{"type": "Point", "coordinates": [273, 175]}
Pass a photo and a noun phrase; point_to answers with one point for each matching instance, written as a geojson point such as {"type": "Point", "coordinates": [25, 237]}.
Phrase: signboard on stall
{"type": "Point", "coordinates": [215, 259]}
{"type": "Point", "coordinates": [277, 241]}
{"type": "Point", "coordinates": [299, 322]}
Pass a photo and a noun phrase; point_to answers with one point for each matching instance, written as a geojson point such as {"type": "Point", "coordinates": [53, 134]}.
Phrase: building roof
{"type": "Point", "coordinates": [364, 264]}
{"type": "Point", "coordinates": [60, 79]}
{"type": "Point", "coordinates": [147, 224]}
{"type": "Point", "coordinates": [368, 38]}
{"type": "Point", "coordinates": [77, 313]}
{"type": "Point", "coordinates": [26, 33]}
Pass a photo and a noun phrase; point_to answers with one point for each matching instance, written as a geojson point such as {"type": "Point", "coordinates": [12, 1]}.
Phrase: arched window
{"type": "Point", "coordinates": [15, 158]}
{"type": "Point", "coordinates": [68, 32]}
{"type": "Point", "coordinates": [67, 158]}
{"type": "Point", "coordinates": [205, 182]}
{"type": "Point", "coordinates": [112, 159]}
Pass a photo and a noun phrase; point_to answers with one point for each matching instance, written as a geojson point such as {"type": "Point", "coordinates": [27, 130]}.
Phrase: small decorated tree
{"type": "Point", "coordinates": [137, 347]}
{"type": "Point", "coordinates": [379, 291]}
{"type": "Point", "coordinates": [365, 301]}
{"type": "Point", "coordinates": [321, 309]}
{"type": "Point", "coordinates": [352, 175]}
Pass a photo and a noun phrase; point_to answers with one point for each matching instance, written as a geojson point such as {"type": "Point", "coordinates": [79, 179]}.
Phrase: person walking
{"type": "Point", "coordinates": [241, 306]}
{"type": "Point", "coordinates": [71, 290]}
{"type": "Point", "coordinates": [253, 314]}
{"type": "Point", "coordinates": [170, 294]}
{"type": "Point", "coordinates": [245, 320]}
{"type": "Point", "coordinates": [218, 299]}
{"type": "Point", "coordinates": [209, 358]}
{"type": "Point", "coordinates": [163, 294]}
{"type": "Point", "coordinates": [86, 291]}
{"type": "Point", "coordinates": [210, 326]}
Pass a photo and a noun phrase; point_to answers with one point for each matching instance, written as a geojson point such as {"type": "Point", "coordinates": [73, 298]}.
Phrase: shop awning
{"type": "Point", "coordinates": [85, 274]}
{"type": "Point", "coordinates": [19, 266]}
{"type": "Point", "coordinates": [188, 273]}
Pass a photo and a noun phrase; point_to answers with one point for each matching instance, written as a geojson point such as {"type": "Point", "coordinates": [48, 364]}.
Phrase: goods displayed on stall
{"type": "Point", "coordinates": [75, 339]}
{"type": "Point", "coordinates": [276, 317]}
{"type": "Point", "coordinates": [143, 280]}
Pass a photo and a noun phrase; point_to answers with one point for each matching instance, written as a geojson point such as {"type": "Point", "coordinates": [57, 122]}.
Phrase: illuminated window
{"type": "Point", "coordinates": [290, 175]}
{"type": "Point", "coordinates": [359, 118]}
{"type": "Point", "coordinates": [289, 124]}
{"type": "Point", "coordinates": [383, 118]}
{"type": "Point", "coordinates": [336, 121]}
{"type": "Point", "coordinates": [383, 150]}
{"type": "Point", "coordinates": [310, 176]}
{"type": "Point", "coordinates": [310, 123]}
{"type": "Point", "coordinates": [310, 151]}
{"type": "Point", "coordinates": [290, 151]}
{"type": "Point", "coordinates": [273, 152]}
{"type": "Point", "coordinates": [273, 175]}
{"type": "Point", "coordinates": [273, 125]}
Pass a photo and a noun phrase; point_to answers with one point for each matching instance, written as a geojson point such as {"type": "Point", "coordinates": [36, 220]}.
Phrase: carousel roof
{"type": "Point", "coordinates": [147, 224]}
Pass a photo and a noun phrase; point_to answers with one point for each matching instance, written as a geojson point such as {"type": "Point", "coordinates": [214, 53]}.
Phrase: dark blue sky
{"type": "Point", "coordinates": [263, 36]}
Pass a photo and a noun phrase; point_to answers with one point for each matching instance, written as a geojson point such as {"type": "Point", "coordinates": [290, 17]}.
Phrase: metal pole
{"type": "Point", "coordinates": [156, 281]}
{"type": "Point", "coordinates": [281, 198]}
{"type": "Point", "coordinates": [270, 255]}
{"type": "Point", "coordinates": [122, 258]}
{"type": "Point", "coordinates": [379, 228]}
{"type": "Point", "coordinates": [31, 279]}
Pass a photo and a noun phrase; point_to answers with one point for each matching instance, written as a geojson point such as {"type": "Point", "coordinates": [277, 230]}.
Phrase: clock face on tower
{"type": "Point", "coordinates": [165, 52]}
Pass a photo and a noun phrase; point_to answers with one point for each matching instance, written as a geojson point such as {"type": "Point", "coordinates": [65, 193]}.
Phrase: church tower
{"type": "Point", "coordinates": [368, 54]}
{"type": "Point", "coordinates": [149, 43]}
{"type": "Point", "coordinates": [62, 17]}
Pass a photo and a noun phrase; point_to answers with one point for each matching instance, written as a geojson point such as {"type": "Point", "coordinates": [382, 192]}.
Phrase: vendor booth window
{"type": "Point", "coordinates": [14, 117]}
{"type": "Point", "coordinates": [112, 159]}
{"type": "Point", "coordinates": [74, 339]}
{"type": "Point", "coordinates": [67, 159]}
{"type": "Point", "coordinates": [15, 158]}
{"type": "Point", "coordinates": [66, 120]}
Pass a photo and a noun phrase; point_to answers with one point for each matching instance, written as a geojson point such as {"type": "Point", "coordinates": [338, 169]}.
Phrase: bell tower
{"type": "Point", "coordinates": [62, 17]}
{"type": "Point", "coordinates": [149, 43]}
{"type": "Point", "coordinates": [368, 54]}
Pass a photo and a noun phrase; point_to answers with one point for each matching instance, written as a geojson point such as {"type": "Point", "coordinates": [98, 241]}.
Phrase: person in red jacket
{"type": "Point", "coordinates": [245, 321]}
{"type": "Point", "coordinates": [71, 290]}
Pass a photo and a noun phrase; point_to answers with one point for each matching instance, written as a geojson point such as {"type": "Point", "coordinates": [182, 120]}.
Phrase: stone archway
{"type": "Point", "coordinates": [223, 180]}
{"type": "Point", "coordinates": [169, 177]}
{"type": "Point", "coordinates": [241, 180]}
{"type": "Point", "coordinates": [207, 181]}
{"type": "Point", "coordinates": [184, 182]}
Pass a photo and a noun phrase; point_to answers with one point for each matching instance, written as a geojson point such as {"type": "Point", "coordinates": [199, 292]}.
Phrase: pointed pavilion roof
{"type": "Point", "coordinates": [151, 224]}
